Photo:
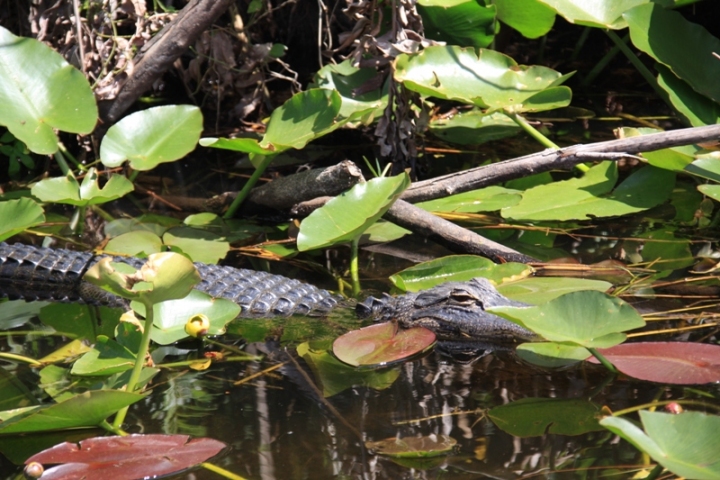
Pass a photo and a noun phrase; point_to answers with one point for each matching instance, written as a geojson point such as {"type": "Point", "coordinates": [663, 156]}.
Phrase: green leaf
{"type": "Point", "coordinates": [153, 136]}
{"type": "Point", "coordinates": [172, 276]}
{"type": "Point", "coordinates": [84, 410]}
{"type": "Point", "coordinates": [306, 116]}
{"type": "Point", "coordinates": [77, 321]}
{"type": "Point", "coordinates": [67, 190]}
{"type": "Point", "coordinates": [531, 18]}
{"type": "Point", "coordinates": [707, 167]}
{"type": "Point", "coordinates": [41, 92]}
{"type": "Point", "coordinates": [595, 13]}
{"type": "Point", "coordinates": [172, 315]}
{"type": "Point", "coordinates": [712, 191]}
{"type": "Point", "coordinates": [687, 444]}
{"type": "Point", "coordinates": [656, 30]}
{"type": "Point", "coordinates": [346, 216]}
{"type": "Point", "coordinates": [473, 127]}
{"type": "Point", "coordinates": [17, 215]}
{"type": "Point", "coordinates": [138, 243]}
{"type": "Point", "coordinates": [579, 199]}
{"type": "Point", "coordinates": [488, 79]}
{"type": "Point", "coordinates": [247, 145]}
{"type": "Point", "coordinates": [200, 245]}
{"type": "Point", "coordinates": [105, 358]}
{"type": "Point", "coordinates": [675, 158]}
{"type": "Point", "coordinates": [533, 417]}
{"type": "Point", "coordinates": [345, 79]}
{"type": "Point", "coordinates": [489, 199]}
{"type": "Point", "coordinates": [456, 268]}
{"type": "Point", "coordinates": [696, 109]}
{"type": "Point", "coordinates": [458, 22]}
{"type": "Point", "coordinates": [536, 290]}
{"type": "Point", "coordinates": [589, 319]}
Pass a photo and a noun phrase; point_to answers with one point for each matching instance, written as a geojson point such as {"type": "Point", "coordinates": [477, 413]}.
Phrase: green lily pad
{"type": "Point", "coordinates": [200, 245]}
{"type": "Point", "coordinates": [487, 199]}
{"type": "Point", "coordinates": [536, 290]}
{"type": "Point", "coordinates": [18, 215]}
{"type": "Point", "coordinates": [458, 22]}
{"type": "Point", "coordinates": [150, 137]}
{"type": "Point", "coordinates": [67, 190]}
{"type": "Point", "coordinates": [348, 215]}
{"type": "Point", "coordinates": [456, 268]}
{"type": "Point", "coordinates": [41, 92]}
{"type": "Point", "coordinates": [697, 109]}
{"type": "Point", "coordinates": [138, 243]}
{"type": "Point", "coordinates": [488, 79]}
{"type": "Point", "coordinates": [84, 410]}
{"type": "Point", "coordinates": [595, 13]}
{"type": "Point", "coordinates": [532, 18]}
{"type": "Point", "coordinates": [345, 79]}
{"type": "Point", "coordinates": [588, 319]}
{"type": "Point", "coordinates": [687, 444]}
{"type": "Point", "coordinates": [473, 127]}
{"type": "Point", "coordinates": [551, 354]}
{"type": "Point", "coordinates": [532, 417]}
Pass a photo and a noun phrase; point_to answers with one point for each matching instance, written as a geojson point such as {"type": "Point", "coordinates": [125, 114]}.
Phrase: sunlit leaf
{"type": "Point", "coordinates": [348, 215]}
{"type": "Point", "coordinates": [687, 444]}
{"type": "Point", "coordinates": [678, 363]}
{"type": "Point", "coordinates": [247, 145]}
{"type": "Point", "coordinates": [551, 354]}
{"type": "Point", "coordinates": [41, 92]}
{"type": "Point", "coordinates": [532, 18]}
{"type": "Point", "coordinates": [697, 109]}
{"type": "Point", "coordinates": [150, 137]}
{"type": "Point", "coordinates": [536, 290]}
{"type": "Point", "coordinates": [105, 358]}
{"type": "Point", "coordinates": [84, 410]}
{"type": "Point", "coordinates": [200, 245]}
{"type": "Point", "coordinates": [594, 13]}
{"type": "Point", "coordinates": [67, 190]}
{"type": "Point", "coordinates": [589, 319]}
{"type": "Point", "coordinates": [382, 344]}
{"type": "Point", "coordinates": [656, 30]}
{"type": "Point", "coordinates": [459, 22]}
{"type": "Point", "coordinates": [18, 215]}
{"type": "Point", "coordinates": [487, 199]}
{"type": "Point", "coordinates": [132, 456]}
{"type": "Point", "coordinates": [488, 79]}
{"type": "Point", "coordinates": [473, 127]}
{"type": "Point", "coordinates": [345, 80]}
{"type": "Point", "coordinates": [138, 243]}
{"type": "Point", "coordinates": [532, 417]}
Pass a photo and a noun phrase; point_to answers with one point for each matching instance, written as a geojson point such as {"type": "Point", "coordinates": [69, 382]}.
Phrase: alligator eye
{"type": "Point", "coordinates": [462, 297]}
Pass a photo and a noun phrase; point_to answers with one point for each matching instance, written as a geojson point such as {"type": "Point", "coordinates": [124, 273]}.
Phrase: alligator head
{"type": "Point", "coordinates": [452, 310]}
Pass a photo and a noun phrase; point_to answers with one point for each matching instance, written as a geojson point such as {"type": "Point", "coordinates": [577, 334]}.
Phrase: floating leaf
{"type": "Point", "coordinates": [200, 245]}
{"type": "Point", "coordinates": [697, 109]}
{"type": "Point", "coordinates": [18, 215]}
{"type": "Point", "coordinates": [588, 319]}
{"type": "Point", "coordinates": [382, 344]}
{"type": "Point", "coordinates": [678, 363]}
{"type": "Point", "coordinates": [345, 79]}
{"type": "Point", "coordinates": [473, 127]}
{"type": "Point", "coordinates": [488, 199]}
{"type": "Point", "coordinates": [551, 354]}
{"type": "Point", "coordinates": [105, 358]}
{"type": "Point", "coordinates": [532, 417]}
{"type": "Point", "coordinates": [536, 290]}
{"type": "Point", "coordinates": [456, 268]}
{"type": "Point", "coordinates": [84, 410]}
{"type": "Point", "coordinates": [460, 22]}
{"type": "Point", "coordinates": [687, 444]}
{"type": "Point", "coordinates": [348, 215]}
{"type": "Point", "coordinates": [150, 137]}
{"type": "Point", "coordinates": [411, 447]}
{"type": "Point", "coordinates": [488, 79]}
{"type": "Point", "coordinates": [532, 18]}
{"type": "Point", "coordinates": [594, 13]}
{"type": "Point", "coordinates": [138, 243]}
{"type": "Point", "coordinates": [126, 458]}
{"type": "Point", "coordinates": [40, 92]}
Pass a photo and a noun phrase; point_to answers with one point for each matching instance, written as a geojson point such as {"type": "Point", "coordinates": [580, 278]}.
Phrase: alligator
{"type": "Point", "coordinates": [453, 310]}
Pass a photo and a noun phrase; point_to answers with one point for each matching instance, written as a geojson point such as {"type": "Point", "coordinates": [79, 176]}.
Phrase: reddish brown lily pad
{"type": "Point", "coordinates": [125, 458]}
{"type": "Point", "coordinates": [382, 344]}
{"type": "Point", "coordinates": [676, 363]}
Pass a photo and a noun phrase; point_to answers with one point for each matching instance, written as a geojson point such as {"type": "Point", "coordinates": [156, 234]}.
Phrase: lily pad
{"type": "Point", "coordinates": [459, 22]}
{"type": "Point", "coordinates": [488, 80]}
{"type": "Point", "coordinates": [594, 13]}
{"type": "Point", "coordinates": [687, 444]}
{"type": "Point", "coordinates": [382, 344]}
{"type": "Point", "coordinates": [150, 137]}
{"type": "Point", "coordinates": [346, 216]}
{"type": "Point", "coordinates": [551, 354]}
{"type": "Point", "coordinates": [474, 127]}
{"type": "Point", "coordinates": [413, 447]}
{"type": "Point", "coordinates": [137, 243]}
{"type": "Point", "coordinates": [536, 290]}
{"type": "Point", "coordinates": [18, 215]}
{"type": "Point", "coordinates": [532, 417]}
{"type": "Point", "coordinates": [105, 358]}
{"type": "Point", "coordinates": [488, 199]}
{"type": "Point", "coordinates": [677, 363]}
{"type": "Point", "coordinates": [41, 92]}
{"type": "Point", "coordinates": [67, 190]}
{"type": "Point", "coordinates": [589, 319]}
{"type": "Point", "coordinates": [128, 457]}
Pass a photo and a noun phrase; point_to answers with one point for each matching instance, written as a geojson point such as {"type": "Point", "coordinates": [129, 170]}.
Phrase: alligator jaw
{"type": "Point", "coordinates": [453, 310]}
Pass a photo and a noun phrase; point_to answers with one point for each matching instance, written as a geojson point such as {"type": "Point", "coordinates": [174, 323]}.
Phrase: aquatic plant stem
{"type": "Point", "coordinates": [221, 471]}
{"type": "Point", "coordinates": [605, 362]}
{"type": "Point", "coordinates": [20, 358]}
{"type": "Point", "coordinates": [535, 133]}
{"type": "Point", "coordinates": [242, 194]}
{"type": "Point", "coordinates": [644, 71]}
{"type": "Point", "coordinates": [354, 276]}
{"type": "Point", "coordinates": [139, 360]}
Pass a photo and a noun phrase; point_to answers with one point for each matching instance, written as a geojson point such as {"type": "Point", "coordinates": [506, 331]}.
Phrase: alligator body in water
{"type": "Point", "coordinates": [454, 310]}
